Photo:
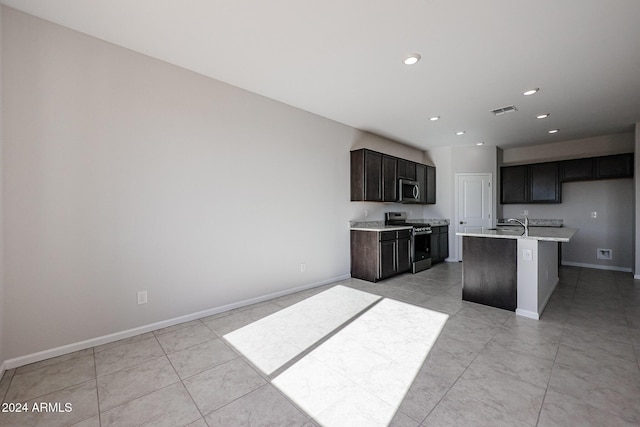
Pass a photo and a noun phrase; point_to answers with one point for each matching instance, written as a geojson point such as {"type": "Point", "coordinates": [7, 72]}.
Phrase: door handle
{"type": "Point", "coordinates": [462, 222]}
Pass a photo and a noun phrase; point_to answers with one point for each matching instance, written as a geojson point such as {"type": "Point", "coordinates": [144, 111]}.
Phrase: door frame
{"type": "Point", "coordinates": [458, 175]}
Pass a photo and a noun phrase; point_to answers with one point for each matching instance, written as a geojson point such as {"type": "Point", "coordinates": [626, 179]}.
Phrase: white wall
{"type": "Point", "coordinates": [124, 173]}
{"type": "Point", "coordinates": [611, 199]}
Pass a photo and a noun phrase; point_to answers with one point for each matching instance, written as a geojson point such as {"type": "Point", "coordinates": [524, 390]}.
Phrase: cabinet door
{"type": "Point", "coordinates": [443, 242]}
{"type": "Point", "coordinates": [404, 255]}
{"type": "Point", "coordinates": [435, 244]}
{"type": "Point", "coordinates": [430, 192]}
{"type": "Point", "coordinates": [421, 177]}
{"type": "Point", "coordinates": [577, 170]}
{"type": "Point", "coordinates": [388, 258]}
{"type": "Point", "coordinates": [372, 176]}
{"type": "Point", "coordinates": [389, 179]}
{"type": "Point", "coordinates": [513, 184]}
{"type": "Point", "coordinates": [406, 169]}
{"type": "Point", "coordinates": [618, 166]}
{"type": "Point", "coordinates": [544, 183]}
{"type": "Point", "coordinates": [366, 175]}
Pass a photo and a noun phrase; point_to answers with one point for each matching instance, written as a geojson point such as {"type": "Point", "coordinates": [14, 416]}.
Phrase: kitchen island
{"type": "Point", "coordinates": [507, 269]}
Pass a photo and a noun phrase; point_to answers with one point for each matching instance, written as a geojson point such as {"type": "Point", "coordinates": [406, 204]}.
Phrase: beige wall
{"type": "Point", "coordinates": [124, 173]}
{"type": "Point", "coordinates": [586, 147]}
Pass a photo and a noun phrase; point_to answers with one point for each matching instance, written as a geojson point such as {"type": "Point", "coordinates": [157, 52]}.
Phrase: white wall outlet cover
{"type": "Point", "coordinates": [525, 212]}
{"type": "Point", "coordinates": [142, 297]}
{"type": "Point", "coordinates": [527, 255]}
{"type": "Point", "coordinates": [594, 214]}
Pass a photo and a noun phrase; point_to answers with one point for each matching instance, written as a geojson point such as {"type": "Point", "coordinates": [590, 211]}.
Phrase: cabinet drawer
{"type": "Point", "coordinates": [387, 235]}
{"type": "Point", "coordinates": [404, 234]}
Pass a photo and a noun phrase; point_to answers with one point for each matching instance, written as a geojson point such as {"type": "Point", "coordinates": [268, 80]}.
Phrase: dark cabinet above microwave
{"type": "Point", "coordinates": [375, 177]}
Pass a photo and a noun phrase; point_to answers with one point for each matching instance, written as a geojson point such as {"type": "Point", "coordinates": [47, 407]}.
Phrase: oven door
{"type": "Point", "coordinates": [408, 191]}
{"type": "Point", "coordinates": [421, 251]}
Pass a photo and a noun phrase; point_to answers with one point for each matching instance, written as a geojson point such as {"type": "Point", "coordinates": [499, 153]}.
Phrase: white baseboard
{"type": "Point", "coordinates": [597, 266]}
{"type": "Point", "coordinates": [527, 313]}
{"type": "Point", "coordinates": [105, 339]}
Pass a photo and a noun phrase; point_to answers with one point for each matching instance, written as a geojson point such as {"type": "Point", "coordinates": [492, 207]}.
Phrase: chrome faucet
{"type": "Point", "coordinates": [525, 224]}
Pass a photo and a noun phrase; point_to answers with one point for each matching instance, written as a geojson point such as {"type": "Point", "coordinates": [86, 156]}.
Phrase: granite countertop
{"type": "Point", "coordinates": [382, 228]}
{"type": "Point", "coordinates": [379, 225]}
{"type": "Point", "coordinates": [553, 234]}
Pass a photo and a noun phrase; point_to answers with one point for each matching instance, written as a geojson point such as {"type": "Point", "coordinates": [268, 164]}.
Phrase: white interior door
{"type": "Point", "coordinates": [474, 204]}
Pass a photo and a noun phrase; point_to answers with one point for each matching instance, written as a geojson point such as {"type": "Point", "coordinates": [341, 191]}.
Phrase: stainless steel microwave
{"type": "Point", "coordinates": [408, 191]}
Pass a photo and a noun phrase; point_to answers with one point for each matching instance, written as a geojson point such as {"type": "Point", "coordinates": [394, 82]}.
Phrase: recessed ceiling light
{"type": "Point", "coordinates": [479, 143]}
{"type": "Point", "coordinates": [412, 59]}
{"type": "Point", "coordinates": [554, 131]}
{"type": "Point", "coordinates": [460, 132]}
{"type": "Point", "coordinates": [543, 116]}
{"type": "Point", "coordinates": [531, 91]}
{"type": "Point", "coordinates": [434, 118]}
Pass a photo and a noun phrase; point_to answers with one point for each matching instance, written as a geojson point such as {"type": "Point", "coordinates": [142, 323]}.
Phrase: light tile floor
{"type": "Point", "coordinates": [578, 365]}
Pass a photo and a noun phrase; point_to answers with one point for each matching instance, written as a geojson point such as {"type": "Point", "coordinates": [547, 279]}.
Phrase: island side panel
{"type": "Point", "coordinates": [547, 272]}
{"type": "Point", "coordinates": [489, 271]}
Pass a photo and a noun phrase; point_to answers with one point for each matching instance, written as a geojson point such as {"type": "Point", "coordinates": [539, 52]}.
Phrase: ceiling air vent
{"type": "Point", "coordinates": [504, 110]}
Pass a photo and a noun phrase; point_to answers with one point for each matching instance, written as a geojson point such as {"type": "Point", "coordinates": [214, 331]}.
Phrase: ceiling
{"type": "Point", "coordinates": [343, 59]}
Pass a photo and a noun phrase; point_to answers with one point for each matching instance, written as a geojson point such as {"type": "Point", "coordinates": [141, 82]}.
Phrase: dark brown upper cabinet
{"type": "Point", "coordinates": [374, 177]}
{"type": "Point", "coordinates": [430, 193]}
{"type": "Point", "coordinates": [513, 184]}
{"type": "Point", "coordinates": [577, 169]}
{"type": "Point", "coordinates": [366, 176]}
{"type": "Point", "coordinates": [406, 169]}
{"type": "Point", "coordinates": [537, 183]}
{"type": "Point", "coordinates": [541, 182]}
{"type": "Point", "coordinates": [544, 183]}
{"type": "Point", "coordinates": [389, 180]}
{"type": "Point", "coordinates": [616, 166]}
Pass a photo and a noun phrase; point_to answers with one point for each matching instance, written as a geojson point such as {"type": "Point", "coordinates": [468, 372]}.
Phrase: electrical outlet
{"type": "Point", "coordinates": [527, 255]}
{"type": "Point", "coordinates": [303, 267]}
{"type": "Point", "coordinates": [594, 214]}
{"type": "Point", "coordinates": [142, 297]}
{"type": "Point", "coordinates": [525, 212]}
{"type": "Point", "coordinates": [366, 213]}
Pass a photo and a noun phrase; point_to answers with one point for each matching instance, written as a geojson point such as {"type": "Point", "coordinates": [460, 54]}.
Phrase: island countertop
{"type": "Point", "coordinates": [551, 234]}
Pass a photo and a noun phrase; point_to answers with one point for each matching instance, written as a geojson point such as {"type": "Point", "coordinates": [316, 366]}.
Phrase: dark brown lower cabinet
{"type": "Point", "coordinates": [490, 271]}
{"type": "Point", "coordinates": [377, 255]}
{"type": "Point", "coordinates": [439, 243]}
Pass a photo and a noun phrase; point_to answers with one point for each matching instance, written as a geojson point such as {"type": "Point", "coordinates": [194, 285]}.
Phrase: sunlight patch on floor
{"type": "Point", "coordinates": [271, 342]}
{"type": "Point", "coordinates": [361, 375]}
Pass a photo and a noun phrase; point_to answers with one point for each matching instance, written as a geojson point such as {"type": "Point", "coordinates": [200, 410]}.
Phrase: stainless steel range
{"type": "Point", "coordinates": [420, 240]}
